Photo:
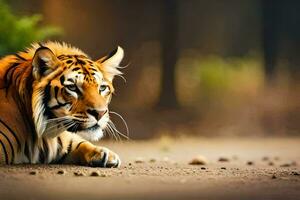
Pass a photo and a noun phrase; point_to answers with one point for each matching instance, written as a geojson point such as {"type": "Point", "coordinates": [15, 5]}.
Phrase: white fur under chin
{"type": "Point", "coordinates": [94, 135]}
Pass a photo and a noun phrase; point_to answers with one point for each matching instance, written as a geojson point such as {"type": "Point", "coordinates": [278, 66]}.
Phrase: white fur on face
{"type": "Point", "coordinates": [94, 135]}
{"type": "Point", "coordinates": [38, 112]}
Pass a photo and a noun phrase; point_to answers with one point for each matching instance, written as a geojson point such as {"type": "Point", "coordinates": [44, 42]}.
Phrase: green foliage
{"type": "Point", "coordinates": [218, 75]}
{"type": "Point", "coordinates": [17, 32]}
{"type": "Point", "coordinates": [213, 78]}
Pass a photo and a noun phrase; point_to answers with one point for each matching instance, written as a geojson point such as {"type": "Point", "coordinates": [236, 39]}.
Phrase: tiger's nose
{"type": "Point", "coordinates": [97, 113]}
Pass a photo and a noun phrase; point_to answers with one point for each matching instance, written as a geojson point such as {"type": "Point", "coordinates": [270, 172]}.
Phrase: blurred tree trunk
{"type": "Point", "coordinates": [271, 29]}
{"type": "Point", "coordinates": [281, 35]}
{"type": "Point", "coordinates": [169, 42]}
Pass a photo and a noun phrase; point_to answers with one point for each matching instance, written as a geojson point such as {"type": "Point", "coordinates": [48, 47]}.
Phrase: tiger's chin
{"type": "Point", "coordinates": [93, 133]}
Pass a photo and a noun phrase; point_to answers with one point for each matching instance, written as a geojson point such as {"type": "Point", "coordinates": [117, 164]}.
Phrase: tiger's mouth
{"type": "Point", "coordinates": [79, 127]}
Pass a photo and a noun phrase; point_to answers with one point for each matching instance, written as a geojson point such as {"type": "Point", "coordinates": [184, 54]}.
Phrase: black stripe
{"type": "Point", "coordinates": [56, 88]}
{"type": "Point", "coordinates": [8, 76]}
{"type": "Point", "coordinates": [59, 141]}
{"type": "Point", "coordinates": [59, 147]}
{"type": "Point", "coordinates": [41, 45]}
{"type": "Point", "coordinates": [62, 159]}
{"type": "Point", "coordinates": [20, 57]}
{"type": "Point", "coordinates": [11, 146]}
{"type": "Point", "coordinates": [19, 76]}
{"type": "Point", "coordinates": [43, 154]}
{"type": "Point", "coordinates": [5, 152]}
{"type": "Point", "coordinates": [13, 133]}
{"type": "Point", "coordinates": [76, 69]}
{"type": "Point", "coordinates": [78, 145]}
{"type": "Point", "coordinates": [70, 147]}
{"type": "Point", "coordinates": [27, 151]}
{"type": "Point", "coordinates": [59, 105]}
{"type": "Point", "coordinates": [62, 80]}
{"type": "Point", "coordinates": [46, 149]}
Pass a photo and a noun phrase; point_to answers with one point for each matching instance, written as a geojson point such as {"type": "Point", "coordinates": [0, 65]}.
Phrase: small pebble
{"type": "Point", "coordinates": [203, 168]}
{"type": "Point", "coordinates": [152, 160]}
{"type": "Point", "coordinates": [94, 173]}
{"type": "Point", "coordinates": [265, 158]}
{"type": "Point", "coordinates": [33, 173]}
{"type": "Point", "coordinates": [139, 160]}
{"type": "Point", "coordinates": [103, 175]}
{"type": "Point", "coordinates": [129, 164]}
{"type": "Point", "coordinates": [61, 172]}
{"type": "Point", "coordinates": [223, 159]}
{"type": "Point", "coordinates": [223, 168]}
{"type": "Point", "coordinates": [276, 158]}
{"type": "Point", "coordinates": [285, 165]}
{"type": "Point", "coordinates": [274, 177]}
{"type": "Point", "coordinates": [198, 160]}
{"type": "Point", "coordinates": [250, 163]}
{"type": "Point", "coordinates": [296, 173]}
{"type": "Point", "coordinates": [79, 174]}
{"type": "Point", "coordinates": [271, 163]}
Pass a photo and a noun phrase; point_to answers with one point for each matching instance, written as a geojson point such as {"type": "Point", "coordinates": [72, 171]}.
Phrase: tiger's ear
{"type": "Point", "coordinates": [110, 63]}
{"type": "Point", "coordinates": [44, 62]}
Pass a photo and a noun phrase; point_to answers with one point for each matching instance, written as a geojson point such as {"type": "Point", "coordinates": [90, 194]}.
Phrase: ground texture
{"type": "Point", "coordinates": [240, 168]}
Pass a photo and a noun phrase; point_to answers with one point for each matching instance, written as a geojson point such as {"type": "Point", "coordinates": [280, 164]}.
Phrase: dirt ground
{"type": "Point", "coordinates": [255, 168]}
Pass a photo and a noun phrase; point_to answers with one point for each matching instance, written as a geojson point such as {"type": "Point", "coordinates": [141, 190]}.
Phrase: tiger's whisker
{"type": "Point", "coordinates": [123, 120]}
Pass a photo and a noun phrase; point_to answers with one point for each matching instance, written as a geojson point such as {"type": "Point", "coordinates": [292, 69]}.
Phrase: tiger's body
{"type": "Point", "coordinates": [53, 102]}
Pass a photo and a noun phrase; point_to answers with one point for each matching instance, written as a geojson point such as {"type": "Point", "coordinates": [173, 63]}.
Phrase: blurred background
{"type": "Point", "coordinates": [195, 67]}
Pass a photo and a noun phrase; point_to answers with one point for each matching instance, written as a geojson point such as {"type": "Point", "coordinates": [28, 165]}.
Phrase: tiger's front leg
{"type": "Point", "coordinates": [82, 152]}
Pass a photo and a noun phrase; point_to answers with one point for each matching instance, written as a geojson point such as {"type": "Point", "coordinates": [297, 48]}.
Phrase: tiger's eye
{"type": "Point", "coordinates": [72, 87]}
{"type": "Point", "coordinates": [103, 88]}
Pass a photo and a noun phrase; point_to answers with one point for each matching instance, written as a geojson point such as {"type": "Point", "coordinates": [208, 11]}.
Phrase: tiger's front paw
{"type": "Point", "coordinates": [103, 157]}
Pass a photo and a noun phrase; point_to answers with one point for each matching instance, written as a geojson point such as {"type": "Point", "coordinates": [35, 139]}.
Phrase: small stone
{"type": "Point", "coordinates": [203, 168]}
{"type": "Point", "coordinates": [296, 173]}
{"type": "Point", "coordinates": [265, 158]}
{"type": "Point", "coordinates": [152, 160]}
{"type": "Point", "coordinates": [294, 163]}
{"type": "Point", "coordinates": [270, 163]}
{"type": "Point", "coordinates": [103, 175]}
{"type": "Point", "coordinates": [33, 172]}
{"type": "Point", "coordinates": [139, 160]}
{"type": "Point", "coordinates": [285, 165]}
{"type": "Point", "coordinates": [198, 160]}
{"type": "Point", "coordinates": [274, 177]}
{"type": "Point", "coordinates": [223, 168]}
{"type": "Point", "coordinates": [223, 159]}
{"type": "Point", "coordinates": [250, 163]}
{"type": "Point", "coordinates": [79, 174]}
{"type": "Point", "coordinates": [94, 173]}
{"type": "Point", "coordinates": [129, 164]}
{"type": "Point", "coordinates": [61, 172]}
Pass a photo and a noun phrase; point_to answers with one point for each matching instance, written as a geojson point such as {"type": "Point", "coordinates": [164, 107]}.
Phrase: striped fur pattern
{"type": "Point", "coordinates": [54, 102]}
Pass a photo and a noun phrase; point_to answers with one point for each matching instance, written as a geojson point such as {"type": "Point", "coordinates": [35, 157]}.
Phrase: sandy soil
{"type": "Point", "coordinates": [252, 169]}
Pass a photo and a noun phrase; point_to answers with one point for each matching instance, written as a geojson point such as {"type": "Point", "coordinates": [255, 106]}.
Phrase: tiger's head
{"type": "Point", "coordinates": [71, 92]}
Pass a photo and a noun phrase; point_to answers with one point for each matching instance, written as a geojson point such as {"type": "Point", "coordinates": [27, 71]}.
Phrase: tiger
{"type": "Point", "coordinates": [54, 103]}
